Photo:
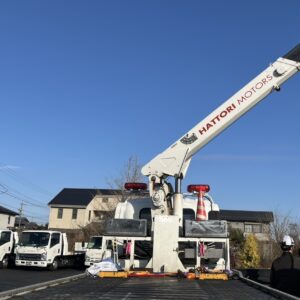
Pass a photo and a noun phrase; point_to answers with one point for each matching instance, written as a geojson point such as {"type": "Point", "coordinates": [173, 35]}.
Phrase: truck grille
{"type": "Point", "coordinates": [30, 256]}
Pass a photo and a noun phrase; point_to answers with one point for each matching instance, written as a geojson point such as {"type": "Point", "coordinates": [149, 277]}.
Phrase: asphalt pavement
{"type": "Point", "coordinates": [19, 277]}
{"type": "Point", "coordinates": [148, 288]}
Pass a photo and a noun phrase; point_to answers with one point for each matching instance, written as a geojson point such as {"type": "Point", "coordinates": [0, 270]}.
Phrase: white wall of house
{"type": "Point", "coordinates": [85, 215]}
{"type": "Point", "coordinates": [6, 221]}
{"type": "Point", "coordinates": [99, 206]}
{"type": "Point", "coordinates": [62, 217]}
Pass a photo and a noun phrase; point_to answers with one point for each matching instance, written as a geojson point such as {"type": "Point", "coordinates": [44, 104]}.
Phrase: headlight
{"type": "Point", "coordinates": [87, 258]}
{"type": "Point", "coordinates": [44, 256]}
{"type": "Point", "coordinates": [17, 256]}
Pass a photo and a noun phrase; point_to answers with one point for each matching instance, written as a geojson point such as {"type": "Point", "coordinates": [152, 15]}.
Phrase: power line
{"type": "Point", "coordinates": [25, 201]}
{"type": "Point", "coordinates": [24, 213]}
{"type": "Point", "coordinates": [37, 218]}
{"type": "Point", "coordinates": [23, 196]}
{"type": "Point", "coordinates": [9, 206]}
{"type": "Point", "coordinates": [24, 181]}
{"type": "Point", "coordinates": [4, 189]}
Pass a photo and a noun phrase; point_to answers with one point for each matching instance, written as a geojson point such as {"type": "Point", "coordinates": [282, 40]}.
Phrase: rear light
{"type": "Point", "coordinates": [135, 186]}
{"type": "Point", "coordinates": [197, 188]}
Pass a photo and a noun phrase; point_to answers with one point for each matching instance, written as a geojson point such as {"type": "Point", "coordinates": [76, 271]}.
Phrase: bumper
{"type": "Point", "coordinates": [91, 262]}
{"type": "Point", "coordinates": [29, 263]}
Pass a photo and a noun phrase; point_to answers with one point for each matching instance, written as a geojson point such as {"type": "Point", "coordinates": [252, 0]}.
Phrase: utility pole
{"type": "Point", "coordinates": [21, 213]}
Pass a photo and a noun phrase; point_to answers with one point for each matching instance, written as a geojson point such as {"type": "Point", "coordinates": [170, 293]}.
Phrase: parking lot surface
{"type": "Point", "coordinates": [19, 277]}
{"type": "Point", "coordinates": [149, 288]}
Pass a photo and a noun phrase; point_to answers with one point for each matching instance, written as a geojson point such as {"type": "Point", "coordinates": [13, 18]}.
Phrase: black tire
{"type": "Point", "coordinates": [54, 265]}
{"type": "Point", "coordinates": [4, 263]}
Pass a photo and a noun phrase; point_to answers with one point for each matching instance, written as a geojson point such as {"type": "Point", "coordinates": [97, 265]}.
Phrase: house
{"type": "Point", "coordinates": [21, 222]}
{"type": "Point", "coordinates": [7, 218]}
{"type": "Point", "coordinates": [256, 222]}
{"type": "Point", "coordinates": [74, 208]}
{"type": "Point", "coordinates": [24, 223]}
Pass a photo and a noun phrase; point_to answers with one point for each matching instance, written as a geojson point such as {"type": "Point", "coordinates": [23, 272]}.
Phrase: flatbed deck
{"type": "Point", "coordinates": [150, 288]}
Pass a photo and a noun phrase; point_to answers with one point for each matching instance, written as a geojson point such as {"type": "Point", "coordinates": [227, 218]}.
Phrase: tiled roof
{"type": "Point", "coordinates": [246, 216]}
{"type": "Point", "coordinates": [21, 220]}
{"type": "Point", "coordinates": [6, 211]}
{"type": "Point", "coordinates": [81, 197]}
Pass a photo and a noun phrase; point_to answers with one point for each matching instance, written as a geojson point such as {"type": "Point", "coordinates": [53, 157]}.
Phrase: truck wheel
{"type": "Point", "coordinates": [54, 265]}
{"type": "Point", "coordinates": [4, 263]}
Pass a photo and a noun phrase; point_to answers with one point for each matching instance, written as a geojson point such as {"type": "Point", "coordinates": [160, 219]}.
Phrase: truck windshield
{"type": "Point", "coordinates": [34, 239]}
{"type": "Point", "coordinates": [4, 237]}
{"type": "Point", "coordinates": [95, 243]}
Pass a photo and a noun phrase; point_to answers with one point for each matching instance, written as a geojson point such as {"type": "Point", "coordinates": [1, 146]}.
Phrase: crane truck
{"type": "Point", "coordinates": [162, 229]}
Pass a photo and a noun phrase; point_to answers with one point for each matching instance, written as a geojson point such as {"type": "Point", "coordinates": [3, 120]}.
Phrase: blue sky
{"type": "Point", "coordinates": [84, 85]}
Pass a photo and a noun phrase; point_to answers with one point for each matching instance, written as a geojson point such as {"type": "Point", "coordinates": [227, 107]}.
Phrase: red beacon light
{"type": "Point", "coordinates": [197, 188]}
{"type": "Point", "coordinates": [135, 186]}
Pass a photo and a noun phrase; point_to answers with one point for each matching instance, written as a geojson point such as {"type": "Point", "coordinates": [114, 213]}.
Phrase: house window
{"type": "Point", "coordinates": [60, 213]}
{"type": "Point", "coordinates": [8, 219]}
{"type": "Point", "coordinates": [101, 214]}
{"type": "Point", "coordinates": [256, 228]}
{"type": "Point", "coordinates": [248, 228]}
{"type": "Point", "coordinates": [253, 228]}
{"type": "Point", "coordinates": [90, 215]}
{"type": "Point", "coordinates": [74, 213]}
{"type": "Point", "coordinates": [105, 200]}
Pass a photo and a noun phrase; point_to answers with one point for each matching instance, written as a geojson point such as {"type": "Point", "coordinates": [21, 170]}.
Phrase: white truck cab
{"type": "Point", "coordinates": [95, 251]}
{"type": "Point", "coordinates": [45, 248]}
{"type": "Point", "coordinates": [8, 240]}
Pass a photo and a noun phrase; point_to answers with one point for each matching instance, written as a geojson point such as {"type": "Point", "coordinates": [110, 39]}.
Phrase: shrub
{"type": "Point", "coordinates": [250, 257]}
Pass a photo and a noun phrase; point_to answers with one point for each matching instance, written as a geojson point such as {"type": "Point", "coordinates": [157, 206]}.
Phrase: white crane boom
{"type": "Point", "coordinates": [174, 161]}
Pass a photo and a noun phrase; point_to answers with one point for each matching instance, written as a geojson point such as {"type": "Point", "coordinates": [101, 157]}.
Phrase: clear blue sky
{"type": "Point", "coordinates": [86, 84]}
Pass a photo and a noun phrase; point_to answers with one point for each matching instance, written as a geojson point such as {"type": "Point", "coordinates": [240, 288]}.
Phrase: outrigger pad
{"type": "Point", "coordinates": [210, 228]}
{"type": "Point", "coordinates": [126, 227]}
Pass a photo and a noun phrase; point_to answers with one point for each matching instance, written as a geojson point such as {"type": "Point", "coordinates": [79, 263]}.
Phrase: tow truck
{"type": "Point", "coordinates": [164, 228]}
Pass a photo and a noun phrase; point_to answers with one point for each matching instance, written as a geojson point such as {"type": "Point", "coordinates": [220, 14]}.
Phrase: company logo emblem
{"type": "Point", "coordinates": [187, 140]}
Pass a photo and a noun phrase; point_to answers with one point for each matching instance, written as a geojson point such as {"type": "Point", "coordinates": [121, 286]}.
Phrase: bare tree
{"type": "Point", "coordinates": [131, 172]}
{"type": "Point", "coordinates": [280, 226]}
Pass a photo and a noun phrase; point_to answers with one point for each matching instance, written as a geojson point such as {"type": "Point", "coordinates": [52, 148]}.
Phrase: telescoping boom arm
{"type": "Point", "coordinates": [175, 160]}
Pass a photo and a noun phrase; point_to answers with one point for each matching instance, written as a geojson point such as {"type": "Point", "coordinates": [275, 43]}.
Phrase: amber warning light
{"type": "Point", "coordinates": [135, 186]}
{"type": "Point", "coordinates": [197, 188]}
